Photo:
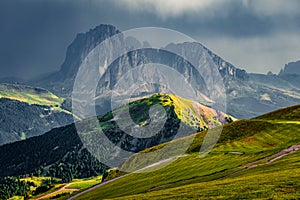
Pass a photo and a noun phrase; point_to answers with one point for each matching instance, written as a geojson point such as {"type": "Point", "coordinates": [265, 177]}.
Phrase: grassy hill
{"type": "Point", "coordinates": [26, 112]}
{"type": "Point", "coordinates": [253, 159]}
{"type": "Point", "coordinates": [289, 114]}
{"type": "Point", "coordinates": [30, 95]}
{"type": "Point", "coordinates": [60, 152]}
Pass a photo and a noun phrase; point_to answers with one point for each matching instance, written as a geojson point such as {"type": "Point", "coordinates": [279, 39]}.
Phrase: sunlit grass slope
{"type": "Point", "coordinates": [279, 180]}
{"type": "Point", "coordinates": [190, 112]}
{"type": "Point", "coordinates": [30, 95]}
{"type": "Point", "coordinates": [224, 172]}
{"type": "Point", "coordinates": [59, 190]}
{"type": "Point", "coordinates": [188, 109]}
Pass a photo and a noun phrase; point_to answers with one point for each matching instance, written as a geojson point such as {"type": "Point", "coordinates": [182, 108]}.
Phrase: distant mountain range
{"type": "Point", "coordinates": [245, 92]}
{"type": "Point", "coordinates": [38, 136]}
{"type": "Point", "coordinates": [291, 68]}
{"type": "Point", "coordinates": [248, 95]}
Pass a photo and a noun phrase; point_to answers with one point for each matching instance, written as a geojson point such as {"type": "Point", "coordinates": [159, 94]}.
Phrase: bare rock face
{"type": "Point", "coordinates": [291, 68]}
{"type": "Point", "coordinates": [244, 91]}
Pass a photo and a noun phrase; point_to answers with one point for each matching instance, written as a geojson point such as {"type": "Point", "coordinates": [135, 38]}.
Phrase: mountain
{"type": "Point", "coordinates": [291, 68]}
{"type": "Point", "coordinates": [249, 95]}
{"type": "Point", "coordinates": [256, 158]}
{"type": "Point", "coordinates": [278, 90]}
{"type": "Point", "coordinates": [291, 73]}
{"type": "Point", "coordinates": [246, 98]}
{"type": "Point", "coordinates": [262, 94]}
{"type": "Point", "coordinates": [61, 82]}
{"type": "Point", "coordinates": [61, 153]}
{"type": "Point", "coordinates": [26, 112]}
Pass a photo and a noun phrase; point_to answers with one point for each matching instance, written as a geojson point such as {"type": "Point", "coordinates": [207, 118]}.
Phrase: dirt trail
{"type": "Point", "coordinates": [268, 160]}
{"type": "Point", "coordinates": [245, 167]}
{"type": "Point", "coordinates": [96, 186]}
{"type": "Point", "coordinates": [159, 163]}
{"type": "Point", "coordinates": [63, 189]}
{"type": "Point", "coordinates": [104, 183]}
{"type": "Point", "coordinates": [276, 156]}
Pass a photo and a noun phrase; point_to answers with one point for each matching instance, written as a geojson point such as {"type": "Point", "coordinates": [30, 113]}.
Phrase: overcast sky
{"type": "Point", "coordinates": [256, 35]}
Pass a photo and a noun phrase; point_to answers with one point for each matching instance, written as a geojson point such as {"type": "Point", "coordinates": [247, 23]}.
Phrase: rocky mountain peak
{"type": "Point", "coordinates": [82, 45]}
{"type": "Point", "coordinates": [231, 75]}
{"type": "Point", "coordinates": [291, 68]}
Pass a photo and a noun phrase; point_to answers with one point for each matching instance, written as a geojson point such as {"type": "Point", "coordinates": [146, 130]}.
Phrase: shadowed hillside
{"type": "Point", "coordinates": [26, 112]}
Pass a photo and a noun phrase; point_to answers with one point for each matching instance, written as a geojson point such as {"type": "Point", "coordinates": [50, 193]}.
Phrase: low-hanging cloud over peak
{"type": "Point", "coordinates": [170, 8]}
{"type": "Point", "coordinates": [175, 8]}
{"type": "Point", "coordinates": [257, 35]}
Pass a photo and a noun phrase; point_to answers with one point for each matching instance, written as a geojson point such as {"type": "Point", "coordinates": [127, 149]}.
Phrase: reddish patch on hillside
{"type": "Point", "coordinates": [249, 139]}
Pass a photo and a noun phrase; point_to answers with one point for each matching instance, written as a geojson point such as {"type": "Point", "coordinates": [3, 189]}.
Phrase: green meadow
{"type": "Point", "coordinates": [227, 172]}
{"type": "Point", "coordinates": [30, 95]}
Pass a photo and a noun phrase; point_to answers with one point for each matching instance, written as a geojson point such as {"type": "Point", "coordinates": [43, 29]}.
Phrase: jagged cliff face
{"type": "Point", "coordinates": [82, 45]}
{"type": "Point", "coordinates": [227, 70]}
{"type": "Point", "coordinates": [85, 42]}
{"type": "Point", "coordinates": [133, 59]}
{"type": "Point", "coordinates": [291, 68]}
{"type": "Point", "coordinates": [291, 73]}
{"type": "Point", "coordinates": [61, 82]}
{"type": "Point", "coordinates": [244, 96]}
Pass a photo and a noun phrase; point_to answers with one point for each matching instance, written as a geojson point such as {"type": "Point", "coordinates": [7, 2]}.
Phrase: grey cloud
{"type": "Point", "coordinates": [34, 34]}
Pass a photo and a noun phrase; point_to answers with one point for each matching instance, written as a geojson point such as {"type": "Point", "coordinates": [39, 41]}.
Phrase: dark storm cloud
{"type": "Point", "coordinates": [34, 34]}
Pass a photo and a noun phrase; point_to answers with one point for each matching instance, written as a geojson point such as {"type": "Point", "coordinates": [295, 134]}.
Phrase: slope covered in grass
{"type": "Point", "coordinates": [146, 130]}
{"type": "Point", "coordinates": [289, 113]}
{"type": "Point", "coordinates": [227, 171]}
{"type": "Point", "coordinates": [26, 112]}
{"type": "Point", "coordinates": [61, 153]}
{"type": "Point", "coordinates": [193, 113]}
{"type": "Point", "coordinates": [30, 95]}
{"type": "Point", "coordinates": [279, 180]}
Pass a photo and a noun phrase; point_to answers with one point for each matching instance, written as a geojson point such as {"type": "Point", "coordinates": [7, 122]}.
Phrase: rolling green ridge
{"type": "Point", "coordinates": [279, 180]}
{"type": "Point", "coordinates": [245, 163]}
{"type": "Point", "coordinates": [30, 95]}
{"type": "Point", "coordinates": [193, 115]}
{"type": "Point", "coordinates": [60, 152]}
{"type": "Point", "coordinates": [290, 113]}
{"type": "Point", "coordinates": [26, 112]}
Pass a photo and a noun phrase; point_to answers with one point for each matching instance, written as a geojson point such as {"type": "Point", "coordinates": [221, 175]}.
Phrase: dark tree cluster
{"type": "Point", "coordinates": [76, 164]}
{"type": "Point", "coordinates": [228, 119]}
{"type": "Point", "coordinates": [58, 153]}
{"type": "Point", "coordinates": [12, 186]}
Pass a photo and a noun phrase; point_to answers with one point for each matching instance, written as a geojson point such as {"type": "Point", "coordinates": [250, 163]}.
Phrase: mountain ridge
{"type": "Point", "coordinates": [249, 152]}
{"type": "Point", "coordinates": [61, 82]}
{"type": "Point", "coordinates": [27, 111]}
{"type": "Point", "coordinates": [243, 93]}
{"type": "Point", "coordinates": [290, 68]}
{"type": "Point", "coordinates": [63, 147]}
